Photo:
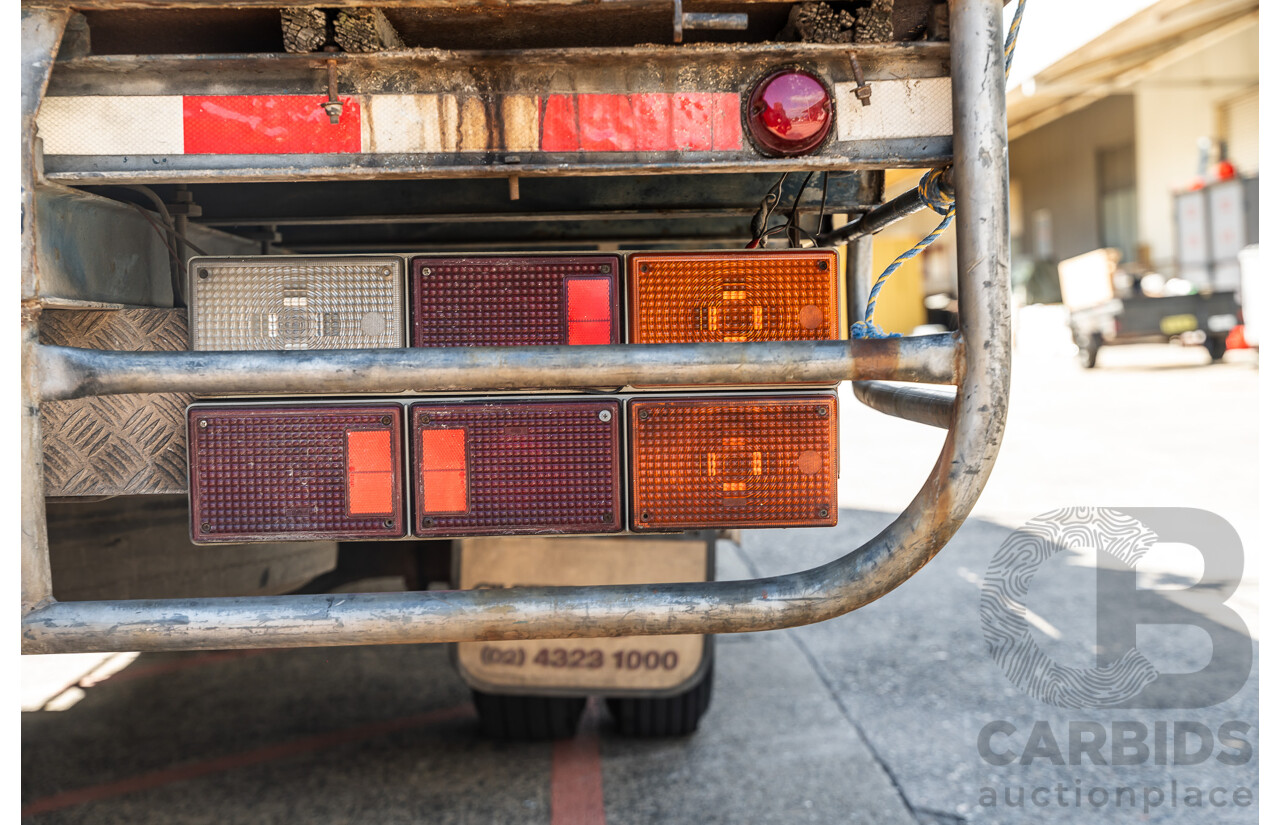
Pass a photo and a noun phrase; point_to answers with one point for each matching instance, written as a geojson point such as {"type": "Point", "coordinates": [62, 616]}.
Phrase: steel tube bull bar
{"type": "Point", "coordinates": [981, 356]}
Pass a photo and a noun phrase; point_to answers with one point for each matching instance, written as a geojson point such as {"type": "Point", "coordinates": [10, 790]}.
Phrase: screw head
{"type": "Point", "coordinates": [426, 270]}
{"type": "Point", "coordinates": [822, 266]}
{"type": "Point", "coordinates": [822, 513]}
{"type": "Point", "coordinates": [203, 273]}
{"type": "Point", "coordinates": [822, 412]}
{"type": "Point", "coordinates": [644, 267]}
{"type": "Point", "coordinates": [428, 522]}
{"type": "Point", "coordinates": [644, 415]}
{"type": "Point", "coordinates": [386, 272]}
{"type": "Point", "coordinates": [645, 516]}
{"type": "Point", "coordinates": [385, 420]}
{"type": "Point", "coordinates": [202, 423]}
{"type": "Point", "coordinates": [605, 269]}
{"type": "Point", "coordinates": [204, 527]}
{"type": "Point", "coordinates": [607, 517]}
{"type": "Point", "coordinates": [606, 416]}
{"type": "Point", "coordinates": [389, 523]}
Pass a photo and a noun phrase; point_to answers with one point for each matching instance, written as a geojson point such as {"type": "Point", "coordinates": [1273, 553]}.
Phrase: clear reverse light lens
{"type": "Point", "coordinates": [292, 303]}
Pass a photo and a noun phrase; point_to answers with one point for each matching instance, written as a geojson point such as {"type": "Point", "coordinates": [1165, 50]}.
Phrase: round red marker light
{"type": "Point", "coordinates": [789, 113]}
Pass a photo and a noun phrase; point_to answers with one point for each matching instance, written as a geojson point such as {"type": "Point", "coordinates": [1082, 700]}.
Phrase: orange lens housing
{"type": "Point", "coordinates": [733, 462]}
{"type": "Point", "coordinates": [763, 295]}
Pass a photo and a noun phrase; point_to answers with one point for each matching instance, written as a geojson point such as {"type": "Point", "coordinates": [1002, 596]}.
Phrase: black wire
{"type": "Point", "coordinates": [766, 210]}
{"type": "Point", "coordinates": [822, 208]}
{"type": "Point", "coordinates": [175, 274]}
{"type": "Point", "coordinates": [793, 222]}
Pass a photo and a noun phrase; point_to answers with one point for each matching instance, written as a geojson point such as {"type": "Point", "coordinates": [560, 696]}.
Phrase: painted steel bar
{"type": "Point", "coordinates": [68, 372]}
{"type": "Point", "coordinates": [862, 576]}
{"type": "Point", "coordinates": [919, 404]}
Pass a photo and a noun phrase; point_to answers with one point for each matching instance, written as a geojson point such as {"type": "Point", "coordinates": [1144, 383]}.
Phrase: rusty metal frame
{"type": "Point", "coordinates": [976, 424]}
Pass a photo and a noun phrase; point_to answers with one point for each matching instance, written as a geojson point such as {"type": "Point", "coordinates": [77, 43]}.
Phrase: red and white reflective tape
{"type": "Point", "coordinates": [387, 124]}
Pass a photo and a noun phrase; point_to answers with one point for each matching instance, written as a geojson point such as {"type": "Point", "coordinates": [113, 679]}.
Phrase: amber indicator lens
{"type": "Point", "coordinates": [743, 462]}
{"type": "Point", "coordinates": [290, 303]}
{"type": "Point", "coordinates": [480, 301]}
{"type": "Point", "coordinates": [299, 473]}
{"type": "Point", "coordinates": [768, 295]}
{"type": "Point", "coordinates": [508, 468]}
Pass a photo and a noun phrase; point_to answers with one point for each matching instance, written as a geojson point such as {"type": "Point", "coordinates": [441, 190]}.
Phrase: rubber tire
{"type": "Point", "coordinates": [512, 718]}
{"type": "Point", "coordinates": [671, 716]}
{"type": "Point", "coordinates": [1087, 353]}
{"type": "Point", "coordinates": [1217, 348]}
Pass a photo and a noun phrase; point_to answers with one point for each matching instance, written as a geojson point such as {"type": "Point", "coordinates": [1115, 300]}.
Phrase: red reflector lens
{"type": "Point", "coordinates": [589, 312]}
{"type": "Point", "coordinates": [741, 462]}
{"type": "Point", "coordinates": [515, 301]}
{"type": "Point", "coordinates": [515, 467]}
{"type": "Point", "coordinates": [370, 474]}
{"type": "Point", "coordinates": [789, 113]}
{"type": "Point", "coordinates": [444, 471]}
{"type": "Point", "coordinates": [295, 473]}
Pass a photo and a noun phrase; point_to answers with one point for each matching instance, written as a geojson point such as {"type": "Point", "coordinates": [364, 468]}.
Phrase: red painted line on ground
{"type": "Point", "coordinates": [267, 125]}
{"type": "Point", "coordinates": [284, 750]}
{"type": "Point", "coordinates": [143, 671]}
{"type": "Point", "coordinates": [577, 789]}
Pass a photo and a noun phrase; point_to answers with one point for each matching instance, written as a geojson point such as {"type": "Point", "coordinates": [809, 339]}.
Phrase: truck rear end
{"type": "Point", "coordinates": [525, 303]}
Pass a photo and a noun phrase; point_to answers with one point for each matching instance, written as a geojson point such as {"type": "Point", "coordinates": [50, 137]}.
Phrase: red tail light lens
{"type": "Point", "coordinates": [507, 468]}
{"type": "Point", "coordinates": [300, 473]}
{"type": "Point", "coordinates": [515, 301]}
{"type": "Point", "coordinates": [789, 113]}
{"type": "Point", "coordinates": [733, 462]}
{"type": "Point", "coordinates": [768, 295]}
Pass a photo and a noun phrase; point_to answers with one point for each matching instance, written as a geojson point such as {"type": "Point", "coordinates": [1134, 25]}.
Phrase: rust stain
{"type": "Point", "coordinates": [473, 128]}
{"type": "Point", "coordinates": [520, 122]}
{"type": "Point", "coordinates": [447, 122]}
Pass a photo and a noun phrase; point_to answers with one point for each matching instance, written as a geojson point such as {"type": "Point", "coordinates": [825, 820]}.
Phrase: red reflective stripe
{"type": "Point", "coordinates": [267, 125]}
{"type": "Point", "coordinates": [727, 128]}
{"type": "Point", "coordinates": [559, 125]}
{"type": "Point", "coordinates": [606, 123]}
{"type": "Point", "coordinates": [691, 121]}
{"type": "Point", "coordinates": [653, 122]}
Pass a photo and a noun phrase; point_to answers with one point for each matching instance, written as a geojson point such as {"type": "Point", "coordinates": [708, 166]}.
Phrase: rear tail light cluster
{"type": "Point", "coordinates": [753, 462]}
{"type": "Point", "coordinates": [516, 467]}
{"type": "Point", "coordinates": [515, 301]}
{"type": "Point", "coordinates": [510, 467]}
{"type": "Point", "coordinates": [300, 473]}
{"type": "Point", "coordinates": [432, 468]}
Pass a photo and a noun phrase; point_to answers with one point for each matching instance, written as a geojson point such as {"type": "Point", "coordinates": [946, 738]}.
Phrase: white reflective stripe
{"type": "Point", "coordinates": [111, 125]}
{"type": "Point", "coordinates": [899, 109]}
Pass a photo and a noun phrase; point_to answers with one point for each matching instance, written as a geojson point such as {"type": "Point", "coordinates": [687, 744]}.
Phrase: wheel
{"type": "Point", "coordinates": [1087, 351]}
{"type": "Point", "coordinates": [527, 718]}
{"type": "Point", "coordinates": [1217, 347]}
{"type": "Point", "coordinates": [669, 716]}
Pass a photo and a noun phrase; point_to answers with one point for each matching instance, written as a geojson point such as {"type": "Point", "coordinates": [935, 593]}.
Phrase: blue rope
{"type": "Point", "coordinates": [940, 201]}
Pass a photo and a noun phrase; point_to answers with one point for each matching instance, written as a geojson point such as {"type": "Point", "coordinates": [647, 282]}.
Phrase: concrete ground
{"type": "Point", "coordinates": [874, 717]}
